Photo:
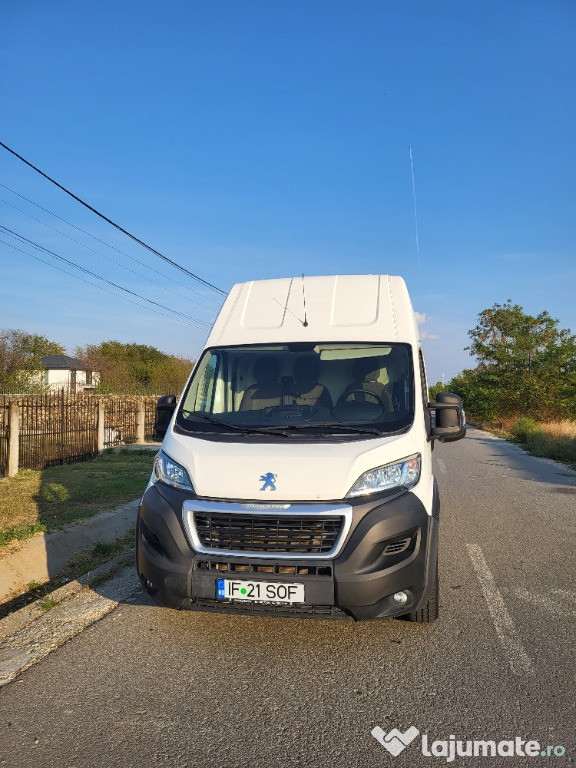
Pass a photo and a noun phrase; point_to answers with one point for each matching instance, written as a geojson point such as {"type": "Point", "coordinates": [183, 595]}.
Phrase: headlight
{"type": "Point", "coordinates": [404, 473]}
{"type": "Point", "coordinates": [171, 473]}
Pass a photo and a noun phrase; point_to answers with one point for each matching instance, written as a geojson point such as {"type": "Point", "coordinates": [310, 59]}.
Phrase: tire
{"type": "Point", "coordinates": [428, 613]}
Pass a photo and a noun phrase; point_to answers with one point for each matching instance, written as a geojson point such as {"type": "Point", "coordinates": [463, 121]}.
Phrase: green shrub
{"type": "Point", "coordinates": [558, 448]}
{"type": "Point", "coordinates": [525, 430]}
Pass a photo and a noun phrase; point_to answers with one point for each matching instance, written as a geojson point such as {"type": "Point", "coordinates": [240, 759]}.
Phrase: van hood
{"type": "Point", "coordinates": [277, 472]}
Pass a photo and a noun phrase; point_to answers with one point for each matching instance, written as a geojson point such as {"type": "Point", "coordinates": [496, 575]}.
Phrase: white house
{"type": "Point", "coordinates": [63, 372]}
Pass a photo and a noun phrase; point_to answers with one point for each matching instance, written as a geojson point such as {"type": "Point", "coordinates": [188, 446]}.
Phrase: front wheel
{"type": "Point", "coordinates": [428, 613]}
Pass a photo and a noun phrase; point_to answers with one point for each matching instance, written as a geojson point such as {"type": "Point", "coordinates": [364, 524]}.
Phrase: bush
{"type": "Point", "coordinates": [525, 430]}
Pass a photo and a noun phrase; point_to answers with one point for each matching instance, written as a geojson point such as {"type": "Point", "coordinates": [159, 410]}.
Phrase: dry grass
{"type": "Point", "coordinates": [549, 439]}
{"type": "Point", "coordinates": [557, 429]}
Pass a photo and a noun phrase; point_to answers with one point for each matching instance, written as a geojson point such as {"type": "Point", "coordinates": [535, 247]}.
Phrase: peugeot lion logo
{"type": "Point", "coordinates": [269, 480]}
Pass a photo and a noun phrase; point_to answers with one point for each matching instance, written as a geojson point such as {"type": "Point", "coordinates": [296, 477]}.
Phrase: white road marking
{"type": "Point", "coordinates": [547, 603]}
{"type": "Point", "coordinates": [518, 659]}
{"type": "Point", "coordinates": [442, 466]}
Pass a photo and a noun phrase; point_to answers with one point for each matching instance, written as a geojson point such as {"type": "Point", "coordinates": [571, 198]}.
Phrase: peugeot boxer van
{"type": "Point", "coordinates": [295, 477]}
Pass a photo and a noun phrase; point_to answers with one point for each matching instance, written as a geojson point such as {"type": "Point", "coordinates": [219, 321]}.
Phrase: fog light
{"type": "Point", "coordinates": [400, 598]}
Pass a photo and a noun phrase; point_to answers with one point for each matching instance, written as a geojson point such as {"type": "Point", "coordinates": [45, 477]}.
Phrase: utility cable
{"type": "Point", "coordinates": [94, 285]}
{"type": "Point", "coordinates": [99, 277]}
{"type": "Point", "coordinates": [108, 258]}
{"type": "Point", "coordinates": [103, 242]}
{"type": "Point", "coordinates": [113, 223]}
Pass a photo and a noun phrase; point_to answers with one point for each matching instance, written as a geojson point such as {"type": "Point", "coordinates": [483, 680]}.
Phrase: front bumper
{"type": "Point", "coordinates": [392, 546]}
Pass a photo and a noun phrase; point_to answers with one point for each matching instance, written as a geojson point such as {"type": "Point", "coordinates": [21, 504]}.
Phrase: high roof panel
{"type": "Point", "coordinates": [331, 308]}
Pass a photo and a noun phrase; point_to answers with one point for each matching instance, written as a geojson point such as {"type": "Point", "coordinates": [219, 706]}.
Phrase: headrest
{"type": "Point", "coordinates": [306, 368]}
{"type": "Point", "coordinates": [266, 370]}
{"type": "Point", "coordinates": [366, 369]}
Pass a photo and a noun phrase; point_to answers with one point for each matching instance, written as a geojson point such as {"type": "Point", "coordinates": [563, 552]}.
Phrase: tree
{"type": "Point", "coordinates": [135, 368]}
{"type": "Point", "coordinates": [526, 365]}
{"type": "Point", "coordinates": [20, 355]}
{"type": "Point", "coordinates": [479, 394]}
{"type": "Point", "coordinates": [170, 375]}
{"type": "Point", "coordinates": [435, 389]}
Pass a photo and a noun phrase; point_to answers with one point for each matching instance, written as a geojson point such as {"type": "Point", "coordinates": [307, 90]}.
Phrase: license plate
{"type": "Point", "coordinates": [259, 591]}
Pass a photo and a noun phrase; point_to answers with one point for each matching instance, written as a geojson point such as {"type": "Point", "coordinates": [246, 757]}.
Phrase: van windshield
{"type": "Point", "coordinates": [312, 391]}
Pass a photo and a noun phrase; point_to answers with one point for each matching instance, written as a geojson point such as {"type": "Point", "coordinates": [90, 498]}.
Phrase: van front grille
{"type": "Point", "coordinates": [266, 609]}
{"type": "Point", "coordinates": [271, 533]}
{"type": "Point", "coordinates": [275, 568]}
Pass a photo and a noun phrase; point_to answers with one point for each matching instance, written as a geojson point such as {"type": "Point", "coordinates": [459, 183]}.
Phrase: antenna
{"type": "Point", "coordinates": [414, 201]}
{"type": "Point", "coordinates": [285, 306]}
{"type": "Point", "coordinates": [305, 323]}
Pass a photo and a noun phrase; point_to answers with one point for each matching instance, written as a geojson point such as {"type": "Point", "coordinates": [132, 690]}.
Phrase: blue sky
{"type": "Point", "coordinates": [264, 138]}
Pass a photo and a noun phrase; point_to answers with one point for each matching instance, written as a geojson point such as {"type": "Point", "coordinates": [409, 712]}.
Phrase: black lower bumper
{"type": "Point", "coordinates": [392, 546]}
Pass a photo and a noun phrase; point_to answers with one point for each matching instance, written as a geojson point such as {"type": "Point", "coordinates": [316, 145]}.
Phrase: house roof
{"type": "Point", "coordinates": [62, 363]}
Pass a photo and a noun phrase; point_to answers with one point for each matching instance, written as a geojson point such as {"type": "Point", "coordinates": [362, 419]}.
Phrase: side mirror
{"type": "Point", "coordinates": [450, 422]}
{"type": "Point", "coordinates": [165, 407]}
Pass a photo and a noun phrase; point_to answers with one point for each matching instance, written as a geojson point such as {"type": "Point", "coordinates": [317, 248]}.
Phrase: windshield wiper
{"type": "Point", "coordinates": [281, 429]}
{"type": "Point", "coordinates": [233, 427]}
{"type": "Point", "coordinates": [332, 425]}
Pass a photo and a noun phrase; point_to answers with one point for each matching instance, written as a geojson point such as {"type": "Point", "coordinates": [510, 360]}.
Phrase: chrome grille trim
{"type": "Point", "coordinates": [229, 508]}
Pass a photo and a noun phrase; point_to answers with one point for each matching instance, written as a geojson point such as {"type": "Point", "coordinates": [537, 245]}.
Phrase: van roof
{"type": "Point", "coordinates": [371, 308]}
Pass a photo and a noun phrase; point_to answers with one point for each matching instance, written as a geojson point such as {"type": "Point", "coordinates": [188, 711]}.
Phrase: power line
{"type": "Point", "coordinates": [108, 258]}
{"type": "Point", "coordinates": [99, 277]}
{"type": "Point", "coordinates": [113, 223]}
{"type": "Point", "coordinates": [103, 242]}
{"type": "Point", "coordinates": [94, 285]}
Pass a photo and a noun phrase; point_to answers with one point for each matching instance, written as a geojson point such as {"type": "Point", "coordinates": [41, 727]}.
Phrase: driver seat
{"type": "Point", "coordinates": [366, 371]}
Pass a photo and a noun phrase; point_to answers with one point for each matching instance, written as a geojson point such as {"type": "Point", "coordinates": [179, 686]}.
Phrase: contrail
{"type": "Point", "coordinates": [414, 200]}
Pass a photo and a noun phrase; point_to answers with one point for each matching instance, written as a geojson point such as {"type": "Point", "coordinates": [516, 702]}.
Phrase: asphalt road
{"type": "Point", "coordinates": [146, 686]}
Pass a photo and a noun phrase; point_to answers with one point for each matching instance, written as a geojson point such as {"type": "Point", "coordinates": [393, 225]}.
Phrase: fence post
{"type": "Point", "coordinates": [100, 427]}
{"type": "Point", "coordinates": [13, 439]}
{"type": "Point", "coordinates": [140, 422]}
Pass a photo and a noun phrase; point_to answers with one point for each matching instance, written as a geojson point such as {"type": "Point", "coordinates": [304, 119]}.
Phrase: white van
{"type": "Point", "coordinates": [295, 477]}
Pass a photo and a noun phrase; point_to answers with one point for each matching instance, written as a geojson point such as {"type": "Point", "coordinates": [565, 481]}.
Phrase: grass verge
{"type": "Point", "coordinates": [551, 440]}
{"type": "Point", "coordinates": [83, 563]}
{"type": "Point", "coordinates": [55, 497]}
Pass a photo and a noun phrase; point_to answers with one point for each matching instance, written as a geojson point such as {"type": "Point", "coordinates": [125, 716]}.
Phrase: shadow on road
{"type": "Point", "coordinates": [526, 467]}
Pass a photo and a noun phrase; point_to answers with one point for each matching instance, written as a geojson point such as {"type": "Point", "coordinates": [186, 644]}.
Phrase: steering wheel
{"type": "Point", "coordinates": [369, 392]}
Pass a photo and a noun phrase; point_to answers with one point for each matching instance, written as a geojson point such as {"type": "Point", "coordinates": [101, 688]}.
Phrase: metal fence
{"type": "Point", "coordinates": [3, 437]}
{"type": "Point", "coordinates": [120, 420]}
{"type": "Point", "coordinates": [60, 428]}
